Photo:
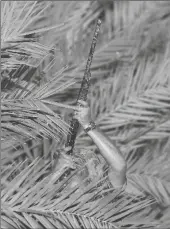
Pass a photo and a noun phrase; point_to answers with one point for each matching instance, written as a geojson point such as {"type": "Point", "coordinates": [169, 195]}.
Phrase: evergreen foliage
{"type": "Point", "coordinates": [44, 49]}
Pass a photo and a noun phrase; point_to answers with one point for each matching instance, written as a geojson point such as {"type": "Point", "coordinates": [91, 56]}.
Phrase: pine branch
{"type": "Point", "coordinates": [125, 48]}
{"type": "Point", "coordinates": [149, 171]}
{"type": "Point", "coordinates": [21, 34]}
{"type": "Point", "coordinates": [28, 112]}
{"type": "Point", "coordinates": [21, 199]}
{"type": "Point", "coordinates": [125, 115]}
{"type": "Point", "coordinates": [139, 119]}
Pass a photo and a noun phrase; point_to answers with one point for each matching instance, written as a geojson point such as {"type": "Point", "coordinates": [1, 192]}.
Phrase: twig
{"type": "Point", "coordinates": [83, 90]}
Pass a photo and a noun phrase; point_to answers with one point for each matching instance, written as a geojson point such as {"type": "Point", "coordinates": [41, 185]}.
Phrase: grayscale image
{"type": "Point", "coordinates": [85, 114]}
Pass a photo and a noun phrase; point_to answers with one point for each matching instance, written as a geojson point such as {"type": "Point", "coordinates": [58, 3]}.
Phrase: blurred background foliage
{"type": "Point", "coordinates": [44, 48]}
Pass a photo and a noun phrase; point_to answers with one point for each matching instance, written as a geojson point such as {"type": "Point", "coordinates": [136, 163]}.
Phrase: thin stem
{"type": "Point", "coordinates": [83, 89]}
